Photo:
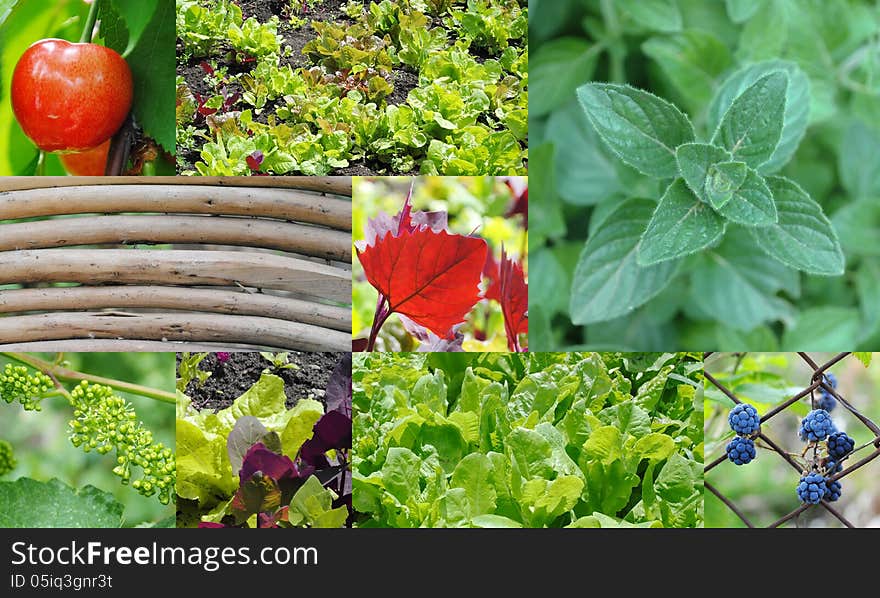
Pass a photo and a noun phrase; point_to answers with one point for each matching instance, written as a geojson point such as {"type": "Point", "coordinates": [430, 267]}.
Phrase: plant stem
{"type": "Point", "coordinates": [40, 170]}
{"type": "Point", "coordinates": [56, 371]}
{"type": "Point", "coordinates": [378, 319]}
{"type": "Point", "coordinates": [90, 23]}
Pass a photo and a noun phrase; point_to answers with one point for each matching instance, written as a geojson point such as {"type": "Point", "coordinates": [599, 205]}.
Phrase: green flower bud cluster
{"type": "Point", "coordinates": [7, 458]}
{"type": "Point", "coordinates": [104, 422]}
{"type": "Point", "coordinates": [17, 384]}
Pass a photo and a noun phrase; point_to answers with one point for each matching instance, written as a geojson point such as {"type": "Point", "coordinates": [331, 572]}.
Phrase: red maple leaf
{"type": "Point", "coordinates": [514, 300]}
{"type": "Point", "coordinates": [520, 199]}
{"type": "Point", "coordinates": [430, 277]}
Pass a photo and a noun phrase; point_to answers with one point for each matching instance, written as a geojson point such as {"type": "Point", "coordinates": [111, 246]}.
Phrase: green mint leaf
{"type": "Point", "coordinates": [742, 10]}
{"type": "Point", "coordinates": [558, 67]}
{"type": "Point", "coordinates": [642, 129]}
{"type": "Point", "coordinates": [583, 171]}
{"type": "Point", "coordinates": [859, 161]}
{"type": "Point", "coordinates": [828, 328]}
{"type": "Point", "coordinates": [797, 106]}
{"type": "Point", "coordinates": [803, 238]}
{"type": "Point", "coordinates": [662, 15]}
{"type": "Point", "coordinates": [736, 279]}
{"type": "Point", "coordinates": [681, 225]}
{"type": "Point", "coordinates": [752, 126]}
{"type": "Point", "coordinates": [607, 281]}
{"type": "Point", "coordinates": [691, 61]}
{"type": "Point", "coordinates": [547, 221]}
{"type": "Point", "coordinates": [752, 203]}
{"type": "Point", "coordinates": [709, 173]}
{"type": "Point", "coordinates": [724, 179]}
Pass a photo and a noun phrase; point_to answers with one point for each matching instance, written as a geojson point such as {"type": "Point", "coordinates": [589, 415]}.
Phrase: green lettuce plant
{"type": "Point", "coordinates": [527, 440]}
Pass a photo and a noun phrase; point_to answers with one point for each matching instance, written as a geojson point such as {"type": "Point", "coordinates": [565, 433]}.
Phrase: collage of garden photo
{"type": "Point", "coordinates": [300, 298]}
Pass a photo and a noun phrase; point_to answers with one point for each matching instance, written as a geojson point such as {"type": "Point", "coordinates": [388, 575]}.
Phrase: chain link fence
{"type": "Point", "coordinates": [850, 464]}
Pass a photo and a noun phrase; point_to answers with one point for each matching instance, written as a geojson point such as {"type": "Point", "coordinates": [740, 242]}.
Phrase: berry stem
{"type": "Point", "coordinates": [90, 23]}
{"type": "Point", "coordinates": [59, 373]}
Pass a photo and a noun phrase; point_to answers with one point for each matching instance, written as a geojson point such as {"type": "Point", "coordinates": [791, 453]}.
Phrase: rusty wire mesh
{"type": "Point", "coordinates": [818, 381]}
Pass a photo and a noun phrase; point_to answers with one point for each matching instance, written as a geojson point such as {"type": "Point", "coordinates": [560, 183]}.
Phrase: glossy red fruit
{"type": "Point", "coordinates": [88, 163]}
{"type": "Point", "coordinates": [70, 97]}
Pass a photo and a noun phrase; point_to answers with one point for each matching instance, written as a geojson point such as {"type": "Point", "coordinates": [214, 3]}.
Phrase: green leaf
{"type": "Point", "coordinates": [642, 129]}
{"type": "Point", "coordinates": [681, 225]}
{"type": "Point", "coordinates": [737, 284]}
{"type": "Point", "coordinates": [691, 61]}
{"type": "Point", "coordinates": [547, 278]}
{"type": "Point", "coordinates": [857, 225]}
{"type": "Point", "coordinates": [752, 203]}
{"type": "Point", "coordinates": [675, 482]}
{"type": "Point", "coordinates": [662, 15]}
{"type": "Point", "coordinates": [546, 218]}
{"type": "Point", "coordinates": [859, 161]}
{"type": "Point", "coordinates": [27, 503]}
{"type": "Point", "coordinates": [137, 16]}
{"type": "Point", "coordinates": [604, 445]}
{"type": "Point", "coordinates": [654, 446]}
{"type": "Point", "coordinates": [583, 173]}
{"type": "Point", "coordinates": [864, 357]}
{"type": "Point", "coordinates": [607, 281]}
{"type": "Point", "coordinates": [495, 521]}
{"type": "Point", "coordinates": [766, 33]}
{"type": "Point", "coordinates": [742, 10]}
{"type": "Point", "coordinates": [803, 238]}
{"type": "Point", "coordinates": [203, 469]}
{"type": "Point", "coordinates": [400, 473]}
{"type": "Point", "coordinates": [752, 126]}
{"type": "Point", "coordinates": [557, 68]}
{"type": "Point", "coordinates": [797, 106]}
{"type": "Point", "coordinates": [473, 474]}
{"type": "Point", "coordinates": [707, 170]}
{"type": "Point", "coordinates": [152, 63]}
{"type": "Point", "coordinates": [824, 329]}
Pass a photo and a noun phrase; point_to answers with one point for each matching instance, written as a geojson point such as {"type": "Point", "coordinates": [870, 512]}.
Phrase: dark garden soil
{"type": "Point", "coordinates": [230, 380]}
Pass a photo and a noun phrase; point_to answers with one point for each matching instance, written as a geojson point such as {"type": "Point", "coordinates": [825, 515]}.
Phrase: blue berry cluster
{"type": "Point", "coordinates": [745, 422]}
{"type": "Point", "coordinates": [816, 426]}
{"type": "Point", "coordinates": [827, 400]}
{"type": "Point", "coordinates": [812, 488]}
{"type": "Point", "coordinates": [816, 484]}
{"type": "Point", "coordinates": [741, 450]}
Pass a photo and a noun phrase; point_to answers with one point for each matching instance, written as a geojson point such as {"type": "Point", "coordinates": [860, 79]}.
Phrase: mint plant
{"type": "Point", "coordinates": [720, 186]}
{"type": "Point", "coordinates": [703, 174]}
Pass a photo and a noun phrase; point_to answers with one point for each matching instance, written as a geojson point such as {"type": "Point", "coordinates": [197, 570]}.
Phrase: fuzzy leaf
{"type": "Point", "coordinates": [859, 161]}
{"type": "Point", "coordinates": [797, 106]}
{"type": "Point", "coordinates": [681, 225]}
{"type": "Point", "coordinates": [662, 15]}
{"type": "Point", "coordinates": [803, 238]}
{"type": "Point", "coordinates": [737, 282]}
{"type": "Point", "coordinates": [751, 204]}
{"type": "Point", "coordinates": [709, 173]}
{"type": "Point", "coordinates": [641, 128]}
{"type": "Point", "coordinates": [607, 281]}
{"type": "Point", "coordinates": [752, 126]}
{"type": "Point", "coordinates": [558, 67]}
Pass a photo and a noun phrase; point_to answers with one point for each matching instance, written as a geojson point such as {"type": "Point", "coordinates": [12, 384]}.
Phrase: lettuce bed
{"type": "Point", "coordinates": [527, 440]}
{"type": "Point", "coordinates": [323, 87]}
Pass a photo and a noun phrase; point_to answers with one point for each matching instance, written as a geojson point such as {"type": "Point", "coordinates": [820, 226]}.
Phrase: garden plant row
{"type": "Point", "coordinates": [324, 87]}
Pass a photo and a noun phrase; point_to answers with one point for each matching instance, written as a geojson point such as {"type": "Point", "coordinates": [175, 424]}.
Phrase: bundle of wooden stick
{"type": "Point", "coordinates": [239, 263]}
